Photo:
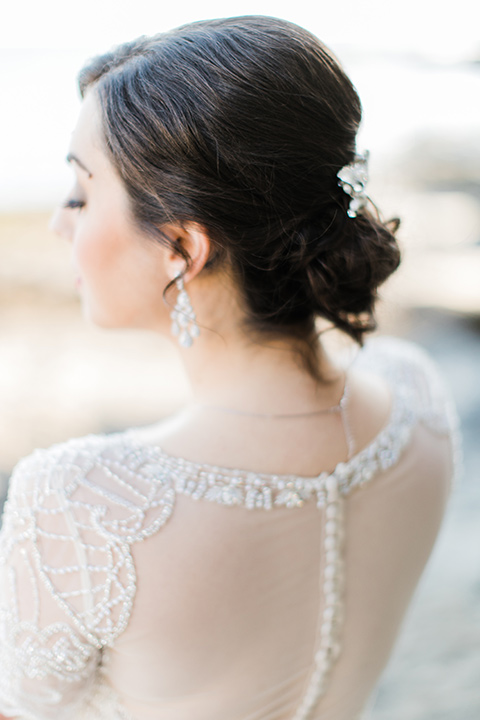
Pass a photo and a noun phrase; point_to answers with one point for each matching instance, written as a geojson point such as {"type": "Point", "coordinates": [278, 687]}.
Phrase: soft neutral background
{"type": "Point", "coordinates": [417, 68]}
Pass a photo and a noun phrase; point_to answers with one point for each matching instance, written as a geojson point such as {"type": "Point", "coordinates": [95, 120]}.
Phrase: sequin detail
{"type": "Point", "coordinates": [259, 490]}
{"type": "Point", "coordinates": [93, 498]}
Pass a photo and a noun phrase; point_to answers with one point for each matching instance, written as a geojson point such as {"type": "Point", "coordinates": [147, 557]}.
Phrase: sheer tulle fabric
{"type": "Point", "coordinates": [137, 585]}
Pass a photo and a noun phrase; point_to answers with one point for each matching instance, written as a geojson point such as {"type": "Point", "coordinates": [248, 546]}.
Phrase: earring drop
{"type": "Point", "coordinates": [184, 321]}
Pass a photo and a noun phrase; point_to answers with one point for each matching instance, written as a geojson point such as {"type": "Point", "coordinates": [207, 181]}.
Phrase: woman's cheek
{"type": "Point", "coordinates": [91, 253]}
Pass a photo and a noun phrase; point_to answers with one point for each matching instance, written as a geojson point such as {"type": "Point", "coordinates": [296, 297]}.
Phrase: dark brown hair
{"type": "Point", "coordinates": [241, 125]}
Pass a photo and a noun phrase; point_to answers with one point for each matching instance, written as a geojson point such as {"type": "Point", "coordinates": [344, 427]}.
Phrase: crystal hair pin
{"type": "Point", "coordinates": [353, 179]}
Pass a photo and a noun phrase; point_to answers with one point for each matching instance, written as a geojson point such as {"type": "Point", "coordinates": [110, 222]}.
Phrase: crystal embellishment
{"type": "Point", "coordinates": [353, 179]}
{"type": "Point", "coordinates": [184, 321]}
{"type": "Point", "coordinates": [118, 490]}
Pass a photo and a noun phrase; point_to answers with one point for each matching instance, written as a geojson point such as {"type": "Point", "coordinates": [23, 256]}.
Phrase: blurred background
{"type": "Point", "coordinates": [416, 66]}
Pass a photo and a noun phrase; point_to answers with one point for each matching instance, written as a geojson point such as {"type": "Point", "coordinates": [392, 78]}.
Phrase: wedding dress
{"type": "Point", "coordinates": [134, 584]}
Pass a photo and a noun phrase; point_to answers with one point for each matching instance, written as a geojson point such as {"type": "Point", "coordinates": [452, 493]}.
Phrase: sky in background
{"type": "Point", "coordinates": [428, 27]}
{"type": "Point", "coordinates": [408, 60]}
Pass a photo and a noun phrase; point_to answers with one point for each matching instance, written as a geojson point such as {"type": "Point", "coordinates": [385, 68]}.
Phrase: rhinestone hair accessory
{"type": "Point", "coordinates": [353, 179]}
{"type": "Point", "coordinates": [184, 321]}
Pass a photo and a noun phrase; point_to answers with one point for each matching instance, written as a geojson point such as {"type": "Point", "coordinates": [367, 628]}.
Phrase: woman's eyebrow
{"type": "Point", "coordinates": [73, 158]}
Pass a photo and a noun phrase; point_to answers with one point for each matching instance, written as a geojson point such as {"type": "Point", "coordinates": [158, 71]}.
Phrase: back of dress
{"type": "Point", "coordinates": [166, 589]}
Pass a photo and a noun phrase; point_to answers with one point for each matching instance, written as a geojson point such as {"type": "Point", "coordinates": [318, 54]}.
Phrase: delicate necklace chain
{"type": "Point", "coordinates": [271, 416]}
{"type": "Point", "coordinates": [339, 408]}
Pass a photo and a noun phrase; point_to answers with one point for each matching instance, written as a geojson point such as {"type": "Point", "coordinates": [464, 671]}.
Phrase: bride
{"type": "Point", "coordinates": [252, 557]}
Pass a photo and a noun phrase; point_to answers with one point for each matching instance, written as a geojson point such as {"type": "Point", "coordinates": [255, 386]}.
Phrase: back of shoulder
{"type": "Point", "coordinates": [101, 476]}
{"type": "Point", "coordinates": [399, 399]}
{"type": "Point", "coordinates": [72, 513]}
{"type": "Point", "coordinates": [413, 376]}
{"type": "Point", "coordinates": [48, 470]}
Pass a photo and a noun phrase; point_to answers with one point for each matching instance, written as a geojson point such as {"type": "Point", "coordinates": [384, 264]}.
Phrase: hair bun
{"type": "Point", "coordinates": [241, 125]}
{"type": "Point", "coordinates": [355, 256]}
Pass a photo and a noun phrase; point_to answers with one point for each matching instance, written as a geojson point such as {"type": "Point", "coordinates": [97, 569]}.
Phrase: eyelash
{"type": "Point", "coordinates": [74, 204]}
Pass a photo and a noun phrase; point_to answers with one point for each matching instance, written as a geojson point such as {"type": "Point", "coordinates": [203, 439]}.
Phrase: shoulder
{"type": "Point", "coordinates": [414, 377]}
{"type": "Point", "coordinates": [420, 420]}
{"type": "Point", "coordinates": [120, 487]}
{"type": "Point", "coordinates": [74, 510]}
{"type": "Point", "coordinates": [39, 471]}
{"type": "Point", "coordinates": [420, 446]}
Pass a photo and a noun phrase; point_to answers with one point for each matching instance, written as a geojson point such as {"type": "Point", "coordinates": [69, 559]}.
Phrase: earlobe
{"type": "Point", "coordinates": [195, 244]}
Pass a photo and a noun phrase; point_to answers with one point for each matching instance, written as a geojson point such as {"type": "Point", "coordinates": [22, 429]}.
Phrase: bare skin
{"type": "Point", "coordinates": [239, 383]}
{"type": "Point", "coordinates": [121, 277]}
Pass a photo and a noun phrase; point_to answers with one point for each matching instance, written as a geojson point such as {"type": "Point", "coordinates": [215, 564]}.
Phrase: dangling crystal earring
{"type": "Point", "coordinates": [184, 321]}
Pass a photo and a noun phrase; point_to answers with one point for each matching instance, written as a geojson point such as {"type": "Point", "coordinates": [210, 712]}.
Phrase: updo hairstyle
{"type": "Point", "coordinates": [240, 125]}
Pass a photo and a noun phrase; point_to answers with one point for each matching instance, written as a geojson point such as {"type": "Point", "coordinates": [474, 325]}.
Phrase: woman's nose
{"type": "Point", "coordinates": [61, 223]}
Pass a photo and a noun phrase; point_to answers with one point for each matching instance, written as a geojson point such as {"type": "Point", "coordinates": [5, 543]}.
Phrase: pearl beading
{"type": "Point", "coordinates": [99, 519]}
{"type": "Point", "coordinates": [117, 491]}
{"type": "Point", "coordinates": [332, 586]}
{"type": "Point", "coordinates": [228, 486]}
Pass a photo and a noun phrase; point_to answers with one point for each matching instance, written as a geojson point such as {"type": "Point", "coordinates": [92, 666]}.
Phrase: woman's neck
{"type": "Point", "coordinates": [270, 377]}
{"type": "Point", "coordinates": [229, 366]}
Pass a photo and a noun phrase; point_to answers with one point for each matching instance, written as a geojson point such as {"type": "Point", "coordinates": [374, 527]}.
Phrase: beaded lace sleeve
{"type": "Point", "coordinates": [67, 579]}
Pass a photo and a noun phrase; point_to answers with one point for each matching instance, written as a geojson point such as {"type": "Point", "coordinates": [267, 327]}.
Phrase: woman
{"type": "Point", "coordinates": [252, 557]}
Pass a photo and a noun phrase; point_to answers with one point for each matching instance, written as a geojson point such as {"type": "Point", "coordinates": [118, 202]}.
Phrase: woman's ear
{"type": "Point", "coordinates": [195, 243]}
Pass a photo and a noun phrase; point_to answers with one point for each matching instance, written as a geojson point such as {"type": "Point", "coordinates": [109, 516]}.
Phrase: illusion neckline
{"type": "Point", "coordinates": [398, 412]}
